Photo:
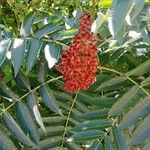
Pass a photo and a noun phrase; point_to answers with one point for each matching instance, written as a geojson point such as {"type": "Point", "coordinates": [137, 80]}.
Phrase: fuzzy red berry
{"type": "Point", "coordinates": [79, 62]}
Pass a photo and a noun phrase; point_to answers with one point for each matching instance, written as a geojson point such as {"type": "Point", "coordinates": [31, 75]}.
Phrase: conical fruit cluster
{"type": "Point", "coordinates": [79, 62]}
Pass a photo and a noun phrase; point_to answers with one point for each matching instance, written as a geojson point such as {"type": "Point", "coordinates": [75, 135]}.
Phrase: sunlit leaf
{"type": "Point", "coordinates": [4, 47]}
{"type": "Point", "coordinates": [18, 49]}
{"type": "Point", "coordinates": [31, 98]}
{"type": "Point", "coordinates": [98, 22]}
{"type": "Point", "coordinates": [26, 27]}
{"type": "Point", "coordinates": [120, 9]}
{"type": "Point", "coordinates": [52, 54]}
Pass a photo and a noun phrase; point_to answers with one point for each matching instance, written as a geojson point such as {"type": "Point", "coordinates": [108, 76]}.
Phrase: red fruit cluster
{"type": "Point", "coordinates": [79, 62]}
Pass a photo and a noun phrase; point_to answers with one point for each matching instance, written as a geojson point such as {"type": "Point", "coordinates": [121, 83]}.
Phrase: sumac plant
{"type": "Point", "coordinates": [79, 63]}
{"type": "Point", "coordinates": [75, 75]}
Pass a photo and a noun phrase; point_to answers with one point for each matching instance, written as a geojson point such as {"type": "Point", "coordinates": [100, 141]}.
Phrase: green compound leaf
{"type": "Point", "coordinates": [49, 99]}
{"type": "Point", "coordinates": [120, 9]}
{"type": "Point", "coordinates": [26, 121]}
{"type": "Point", "coordinates": [34, 50]}
{"type": "Point", "coordinates": [93, 124]}
{"type": "Point", "coordinates": [139, 111]}
{"type": "Point", "coordinates": [142, 132]}
{"type": "Point", "coordinates": [140, 69]}
{"type": "Point", "coordinates": [52, 54]}
{"type": "Point", "coordinates": [4, 47]}
{"type": "Point", "coordinates": [108, 143]}
{"type": "Point", "coordinates": [31, 100]}
{"type": "Point", "coordinates": [15, 129]}
{"type": "Point", "coordinates": [87, 135]}
{"type": "Point", "coordinates": [119, 139]}
{"type": "Point", "coordinates": [125, 100]}
{"type": "Point", "coordinates": [18, 49]}
{"type": "Point", "coordinates": [5, 142]}
{"type": "Point", "coordinates": [26, 27]}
